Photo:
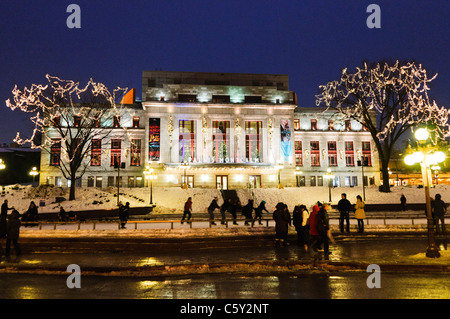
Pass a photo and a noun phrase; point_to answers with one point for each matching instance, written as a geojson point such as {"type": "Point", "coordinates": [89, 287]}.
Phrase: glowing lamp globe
{"type": "Point", "coordinates": [439, 157]}
{"type": "Point", "coordinates": [421, 134]}
{"type": "Point", "coordinates": [409, 160]}
{"type": "Point", "coordinates": [417, 157]}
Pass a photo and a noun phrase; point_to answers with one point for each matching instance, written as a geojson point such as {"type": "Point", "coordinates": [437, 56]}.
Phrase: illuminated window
{"type": "Point", "coordinates": [314, 124]}
{"type": "Point", "coordinates": [315, 153]}
{"type": "Point", "coordinates": [332, 153]}
{"type": "Point", "coordinates": [298, 153]}
{"type": "Point", "coordinates": [349, 154]}
{"type": "Point", "coordinates": [116, 121]}
{"type": "Point", "coordinates": [221, 140]}
{"type": "Point", "coordinates": [116, 152]}
{"type": "Point", "coordinates": [96, 152]}
{"type": "Point", "coordinates": [331, 125]}
{"type": "Point", "coordinates": [366, 154]}
{"type": "Point", "coordinates": [253, 141]}
{"type": "Point", "coordinates": [55, 152]}
{"type": "Point", "coordinates": [135, 121]}
{"type": "Point", "coordinates": [296, 125]}
{"type": "Point", "coordinates": [76, 121]}
{"type": "Point", "coordinates": [348, 125]}
{"type": "Point", "coordinates": [187, 142]}
{"type": "Point", "coordinates": [135, 152]}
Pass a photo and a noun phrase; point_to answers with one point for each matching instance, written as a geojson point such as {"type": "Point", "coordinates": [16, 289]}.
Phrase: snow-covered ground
{"type": "Point", "coordinates": [171, 200]}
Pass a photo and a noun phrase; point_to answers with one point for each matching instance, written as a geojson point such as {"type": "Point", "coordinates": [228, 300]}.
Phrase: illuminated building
{"type": "Point", "coordinates": [228, 131]}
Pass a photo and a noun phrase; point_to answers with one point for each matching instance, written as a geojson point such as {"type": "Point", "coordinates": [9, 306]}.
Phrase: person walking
{"type": "Point", "coordinates": [247, 212]}
{"type": "Point", "coordinates": [124, 214]}
{"type": "Point", "coordinates": [3, 222]}
{"type": "Point", "coordinates": [12, 235]}
{"type": "Point", "coordinates": [187, 210]}
{"type": "Point", "coordinates": [344, 208]}
{"type": "Point", "coordinates": [282, 222]}
{"type": "Point", "coordinates": [439, 210]}
{"type": "Point", "coordinates": [323, 228]}
{"type": "Point", "coordinates": [403, 202]}
{"type": "Point", "coordinates": [314, 235]}
{"type": "Point", "coordinates": [213, 206]}
{"type": "Point", "coordinates": [258, 212]}
{"type": "Point", "coordinates": [359, 213]}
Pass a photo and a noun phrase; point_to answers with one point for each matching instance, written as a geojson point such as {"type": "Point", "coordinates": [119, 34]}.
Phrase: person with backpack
{"type": "Point", "coordinates": [187, 210]}
{"type": "Point", "coordinates": [300, 220]}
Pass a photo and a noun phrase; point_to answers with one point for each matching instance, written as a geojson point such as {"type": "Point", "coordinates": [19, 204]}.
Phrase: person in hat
{"type": "Point", "coordinates": [282, 222]}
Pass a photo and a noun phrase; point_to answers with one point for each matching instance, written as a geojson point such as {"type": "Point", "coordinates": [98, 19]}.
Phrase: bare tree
{"type": "Point", "coordinates": [68, 118]}
{"type": "Point", "coordinates": [397, 93]}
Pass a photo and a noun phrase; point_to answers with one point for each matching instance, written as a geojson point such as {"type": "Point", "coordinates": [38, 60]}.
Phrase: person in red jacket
{"type": "Point", "coordinates": [315, 242]}
{"type": "Point", "coordinates": [187, 210]}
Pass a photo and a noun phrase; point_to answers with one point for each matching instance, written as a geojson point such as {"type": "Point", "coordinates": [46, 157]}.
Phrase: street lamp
{"type": "Point", "coordinates": [33, 173]}
{"type": "Point", "coordinates": [436, 169]}
{"type": "Point", "coordinates": [186, 166]}
{"type": "Point", "coordinates": [426, 155]}
{"type": "Point", "coordinates": [279, 167]}
{"type": "Point", "coordinates": [150, 176]}
{"type": "Point", "coordinates": [329, 176]}
{"type": "Point", "coordinates": [2, 164]}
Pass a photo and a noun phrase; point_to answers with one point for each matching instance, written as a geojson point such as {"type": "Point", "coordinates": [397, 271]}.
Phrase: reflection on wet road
{"type": "Point", "coordinates": [307, 285]}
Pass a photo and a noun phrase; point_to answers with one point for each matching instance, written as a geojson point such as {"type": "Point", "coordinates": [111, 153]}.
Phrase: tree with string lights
{"type": "Point", "coordinates": [396, 94]}
{"type": "Point", "coordinates": [68, 117]}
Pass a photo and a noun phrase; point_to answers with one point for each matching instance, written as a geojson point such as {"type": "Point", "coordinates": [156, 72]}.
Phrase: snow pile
{"type": "Point", "coordinates": [171, 200]}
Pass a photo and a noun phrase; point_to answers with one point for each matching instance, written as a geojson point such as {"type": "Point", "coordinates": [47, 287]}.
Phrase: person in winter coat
{"type": "Point", "coordinates": [12, 235]}
{"type": "Point", "coordinates": [124, 214]}
{"type": "Point", "coordinates": [314, 236]}
{"type": "Point", "coordinates": [247, 212]}
{"type": "Point", "coordinates": [300, 220]}
{"type": "Point", "coordinates": [439, 210]}
{"type": "Point", "coordinates": [344, 208]}
{"type": "Point", "coordinates": [187, 210]}
{"type": "Point", "coordinates": [323, 228]}
{"type": "Point", "coordinates": [403, 202]}
{"type": "Point", "coordinates": [31, 215]}
{"type": "Point", "coordinates": [282, 222]}
{"type": "Point", "coordinates": [233, 209]}
{"type": "Point", "coordinates": [3, 216]}
{"type": "Point", "coordinates": [359, 213]}
{"type": "Point", "coordinates": [226, 206]}
{"type": "Point", "coordinates": [213, 206]}
{"type": "Point", "coordinates": [258, 212]}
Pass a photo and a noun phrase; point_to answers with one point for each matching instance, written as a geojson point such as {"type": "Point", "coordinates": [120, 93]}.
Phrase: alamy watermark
{"type": "Point", "coordinates": [374, 19]}
{"type": "Point", "coordinates": [74, 279]}
{"type": "Point", "coordinates": [74, 19]}
{"type": "Point", "coordinates": [374, 279]}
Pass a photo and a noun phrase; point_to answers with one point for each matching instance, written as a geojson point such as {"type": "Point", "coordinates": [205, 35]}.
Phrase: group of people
{"type": "Point", "coordinates": [313, 229]}
{"type": "Point", "coordinates": [230, 207]}
{"type": "Point", "coordinates": [345, 207]}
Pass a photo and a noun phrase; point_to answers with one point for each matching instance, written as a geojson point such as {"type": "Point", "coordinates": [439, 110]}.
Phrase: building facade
{"type": "Point", "coordinates": [227, 131]}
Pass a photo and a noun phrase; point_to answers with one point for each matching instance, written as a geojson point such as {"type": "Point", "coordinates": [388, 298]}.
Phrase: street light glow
{"type": "Point", "coordinates": [422, 134]}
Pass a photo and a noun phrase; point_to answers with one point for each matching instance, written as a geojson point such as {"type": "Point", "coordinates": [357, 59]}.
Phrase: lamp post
{"type": "Point", "coordinates": [150, 177]}
{"type": "Point", "coordinates": [426, 155]}
{"type": "Point", "coordinates": [186, 166]}
{"type": "Point", "coordinates": [329, 176]}
{"type": "Point", "coordinates": [33, 173]}
{"type": "Point", "coordinates": [279, 167]}
{"type": "Point", "coordinates": [436, 169]}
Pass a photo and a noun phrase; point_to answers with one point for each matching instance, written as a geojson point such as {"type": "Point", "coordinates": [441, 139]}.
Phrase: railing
{"type": "Point", "coordinates": [409, 220]}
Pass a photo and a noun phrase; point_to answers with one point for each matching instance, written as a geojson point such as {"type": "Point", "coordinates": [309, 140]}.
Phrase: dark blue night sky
{"type": "Point", "coordinates": [311, 41]}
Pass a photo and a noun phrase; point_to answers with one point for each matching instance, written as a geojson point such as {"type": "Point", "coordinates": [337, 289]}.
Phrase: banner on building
{"type": "Point", "coordinates": [154, 129]}
{"type": "Point", "coordinates": [285, 132]}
